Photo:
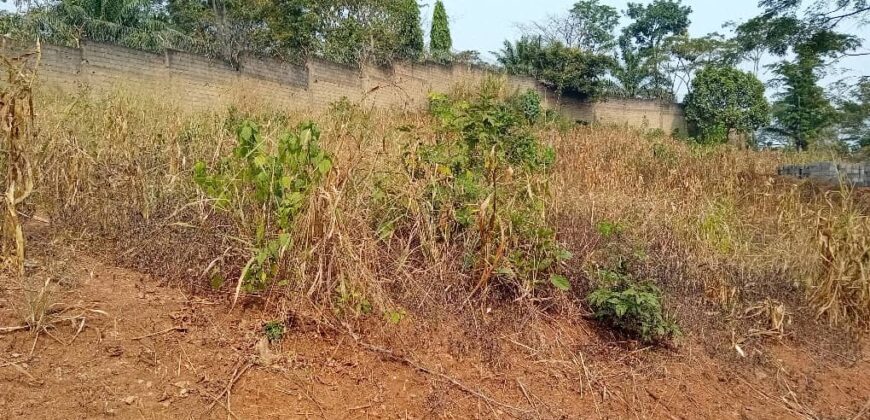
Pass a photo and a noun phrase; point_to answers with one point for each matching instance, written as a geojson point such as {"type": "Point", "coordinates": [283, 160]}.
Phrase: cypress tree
{"type": "Point", "coordinates": [440, 42]}
{"type": "Point", "coordinates": [410, 32]}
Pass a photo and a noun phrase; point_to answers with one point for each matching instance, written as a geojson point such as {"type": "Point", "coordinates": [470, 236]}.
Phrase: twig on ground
{"type": "Point", "coordinates": [168, 330]}
{"type": "Point", "coordinates": [528, 398]}
{"type": "Point", "coordinates": [5, 330]}
{"type": "Point", "coordinates": [237, 374]}
{"type": "Point", "coordinates": [306, 394]}
{"type": "Point", "coordinates": [454, 381]}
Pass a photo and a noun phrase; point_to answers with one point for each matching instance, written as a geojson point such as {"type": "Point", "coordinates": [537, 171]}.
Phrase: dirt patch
{"type": "Point", "coordinates": [135, 348]}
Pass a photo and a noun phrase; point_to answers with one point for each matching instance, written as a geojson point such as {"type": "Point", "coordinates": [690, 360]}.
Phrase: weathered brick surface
{"type": "Point", "coordinates": [198, 82]}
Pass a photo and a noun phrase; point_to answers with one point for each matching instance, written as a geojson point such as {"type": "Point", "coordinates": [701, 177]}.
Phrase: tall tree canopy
{"type": "Point", "coordinates": [132, 23]}
{"type": "Point", "coordinates": [346, 31]}
{"type": "Point", "coordinates": [410, 33]}
{"type": "Point", "coordinates": [651, 26]}
{"type": "Point", "coordinates": [726, 101]}
{"type": "Point", "coordinates": [588, 25]}
{"type": "Point", "coordinates": [855, 114]}
{"type": "Point", "coordinates": [807, 36]}
{"type": "Point", "coordinates": [569, 71]}
{"type": "Point", "coordinates": [440, 41]}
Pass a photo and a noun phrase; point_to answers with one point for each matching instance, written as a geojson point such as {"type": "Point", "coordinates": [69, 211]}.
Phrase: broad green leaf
{"type": "Point", "coordinates": [324, 166]}
{"type": "Point", "coordinates": [561, 282]}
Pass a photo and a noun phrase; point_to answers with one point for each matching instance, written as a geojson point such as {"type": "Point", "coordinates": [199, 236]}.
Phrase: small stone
{"type": "Point", "coordinates": [130, 400]}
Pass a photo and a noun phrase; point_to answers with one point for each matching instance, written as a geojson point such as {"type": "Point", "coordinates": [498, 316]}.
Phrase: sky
{"type": "Point", "coordinates": [484, 25]}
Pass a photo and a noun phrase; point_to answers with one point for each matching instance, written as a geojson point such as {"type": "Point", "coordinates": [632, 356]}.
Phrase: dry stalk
{"type": "Point", "coordinates": [17, 122]}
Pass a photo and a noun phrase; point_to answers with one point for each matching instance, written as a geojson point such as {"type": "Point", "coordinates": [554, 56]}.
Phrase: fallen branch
{"type": "Point", "coordinates": [168, 330]}
{"type": "Point", "coordinates": [454, 381]}
{"type": "Point", "coordinates": [237, 374]}
{"type": "Point", "coordinates": [5, 330]}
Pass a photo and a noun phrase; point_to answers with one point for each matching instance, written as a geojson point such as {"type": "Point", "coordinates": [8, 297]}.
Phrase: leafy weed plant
{"type": "Point", "coordinates": [276, 181]}
{"type": "Point", "coordinates": [485, 182]}
{"type": "Point", "coordinates": [633, 308]}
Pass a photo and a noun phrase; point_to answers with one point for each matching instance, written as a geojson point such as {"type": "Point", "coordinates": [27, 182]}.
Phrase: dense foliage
{"type": "Point", "coordinates": [635, 309]}
{"type": "Point", "coordinates": [487, 185]}
{"type": "Point", "coordinates": [726, 101]}
{"type": "Point", "coordinates": [440, 41]}
{"type": "Point", "coordinates": [346, 31]}
{"type": "Point", "coordinates": [569, 71]}
{"type": "Point", "coordinates": [410, 33]}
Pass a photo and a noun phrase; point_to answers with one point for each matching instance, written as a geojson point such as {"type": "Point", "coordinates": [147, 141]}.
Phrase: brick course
{"type": "Point", "coordinates": [197, 82]}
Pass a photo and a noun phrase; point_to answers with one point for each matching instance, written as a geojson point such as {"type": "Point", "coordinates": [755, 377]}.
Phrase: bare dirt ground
{"type": "Point", "coordinates": [118, 343]}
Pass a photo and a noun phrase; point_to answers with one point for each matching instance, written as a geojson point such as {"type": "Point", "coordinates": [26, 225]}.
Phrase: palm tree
{"type": "Point", "coordinates": [132, 23]}
{"type": "Point", "coordinates": [521, 57]}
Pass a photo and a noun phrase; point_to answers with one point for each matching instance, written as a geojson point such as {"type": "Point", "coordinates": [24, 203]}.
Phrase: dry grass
{"type": "Point", "coordinates": [709, 223]}
{"type": "Point", "coordinates": [16, 114]}
{"type": "Point", "coordinates": [842, 292]}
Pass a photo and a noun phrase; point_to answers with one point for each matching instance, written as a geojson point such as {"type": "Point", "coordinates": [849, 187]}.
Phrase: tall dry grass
{"type": "Point", "coordinates": [708, 223]}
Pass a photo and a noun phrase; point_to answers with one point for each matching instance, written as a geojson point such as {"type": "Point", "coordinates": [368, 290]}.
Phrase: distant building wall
{"type": "Point", "coordinates": [198, 82]}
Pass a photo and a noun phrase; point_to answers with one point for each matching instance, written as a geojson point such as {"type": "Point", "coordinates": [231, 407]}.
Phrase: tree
{"type": "Point", "coordinates": [652, 25]}
{"type": "Point", "coordinates": [688, 55]}
{"type": "Point", "coordinates": [750, 41]}
{"type": "Point", "coordinates": [854, 120]}
{"type": "Point", "coordinates": [802, 112]}
{"type": "Point", "coordinates": [588, 26]}
{"type": "Point", "coordinates": [294, 25]}
{"type": "Point", "coordinates": [521, 57]}
{"type": "Point", "coordinates": [359, 31]}
{"type": "Point", "coordinates": [410, 33]}
{"type": "Point", "coordinates": [132, 23]}
{"type": "Point", "coordinates": [725, 101]}
{"type": "Point", "coordinates": [440, 42]}
{"type": "Point", "coordinates": [568, 71]}
{"type": "Point", "coordinates": [630, 72]}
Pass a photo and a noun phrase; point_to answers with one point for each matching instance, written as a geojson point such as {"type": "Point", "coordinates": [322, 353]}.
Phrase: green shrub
{"type": "Point", "coordinates": [269, 186]}
{"type": "Point", "coordinates": [484, 182]}
{"type": "Point", "coordinates": [274, 331]}
{"type": "Point", "coordinates": [528, 104]}
{"type": "Point", "coordinates": [632, 308]}
{"type": "Point", "coordinates": [608, 228]}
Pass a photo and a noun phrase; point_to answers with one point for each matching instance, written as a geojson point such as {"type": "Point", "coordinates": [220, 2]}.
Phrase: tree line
{"type": "Point", "coordinates": [344, 31]}
{"type": "Point", "coordinates": [590, 51]}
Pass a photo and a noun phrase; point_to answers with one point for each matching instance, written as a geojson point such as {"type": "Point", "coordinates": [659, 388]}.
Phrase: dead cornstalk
{"type": "Point", "coordinates": [16, 112]}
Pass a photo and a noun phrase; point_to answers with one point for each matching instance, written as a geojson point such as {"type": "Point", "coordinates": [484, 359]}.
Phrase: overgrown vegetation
{"type": "Point", "coordinates": [350, 32]}
{"type": "Point", "coordinates": [266, 189]}
{"type": "Point", "coordinates": [481, 199]}
{"type": "Point", "coordinates": [18, 115]}
{"type": "Point", "coordinates": [486, 186]}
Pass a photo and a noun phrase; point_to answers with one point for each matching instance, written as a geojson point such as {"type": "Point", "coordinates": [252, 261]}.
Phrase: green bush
{"type": "Point", "coordinates": [632, 308]}
{"type": "Point", "coordinates": [485, 184]}
{"type": "Point", "coordinates": [274, 331]}
{"type": "Point", "coordinates": [269, 186]}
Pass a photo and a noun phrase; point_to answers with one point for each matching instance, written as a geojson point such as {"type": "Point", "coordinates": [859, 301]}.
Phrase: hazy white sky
{"type": "Point", "coordinates": [483, 25]}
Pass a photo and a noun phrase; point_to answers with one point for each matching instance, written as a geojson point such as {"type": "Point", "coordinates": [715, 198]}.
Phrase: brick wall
{"type": "Point", "coordinates": [197, 82]}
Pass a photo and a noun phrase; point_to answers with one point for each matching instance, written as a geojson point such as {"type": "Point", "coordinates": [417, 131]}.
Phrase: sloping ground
{"type": "Point", "coordinates": [134, 348]}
